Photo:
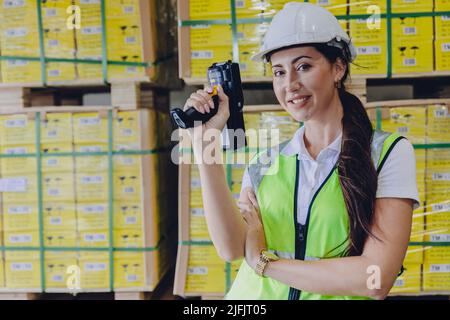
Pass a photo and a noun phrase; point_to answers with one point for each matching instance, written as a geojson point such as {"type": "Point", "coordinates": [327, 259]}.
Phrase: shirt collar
{"type": "Point", "coordinates": [296, 146]}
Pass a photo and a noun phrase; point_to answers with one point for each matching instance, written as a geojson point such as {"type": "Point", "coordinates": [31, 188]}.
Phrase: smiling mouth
{"type": "Point", "coordinates": [299, 101]}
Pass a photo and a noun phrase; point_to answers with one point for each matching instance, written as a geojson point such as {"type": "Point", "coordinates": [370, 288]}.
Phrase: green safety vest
{"type": "Point", "coordinates": [325, 233]}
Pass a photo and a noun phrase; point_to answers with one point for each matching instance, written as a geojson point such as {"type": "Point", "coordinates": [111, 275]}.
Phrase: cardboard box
{"type": "Point", "coordinates": [412, 55]}
{"type": "Point", "coordinates": [438, 125]}
{"type": "Point", "coordinates": [436, 277]}
{"type": "Point", "coordinates": [409, 281]}
{"type": "Point", "coordinates": [21, 274]}
{"type": "Point", "coordinates": [371, 58]}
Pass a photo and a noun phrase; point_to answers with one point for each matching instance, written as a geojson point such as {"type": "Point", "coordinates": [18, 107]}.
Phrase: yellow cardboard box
{"type": "Point", "coordinates": [129, 272]}
{"type": "Point", "coordinates": [94, 271]}
{"type": "Point", "coordinates": [442, 26]}
{"type": "Point", "coordinates": [409, 281]}
{"type": "Point", "coordinates": [56, 128]}
{"type": "Point", "coordinates": [371, 58]}
{"type": "Point", "coordinates": [26, 191]}
{"type": "Point", "coordinates": [441, 5]}
{"type": "Point", "coordinates": [90, 128]}
{"type": "Point", "coordinates": [437, 254]}
{"type": "Point", "coordinates": [367, 7]}
{"type": "Point", "coordinates": [53, 164]}
{"type": "Point", "coordinates": [127, 186]}
{"type": "Point", "coordinates": [58, 187]}
{"type": "Point", "coordinates": [21, 274]}
{"type": "Point", "coordinates": [21, 238]}
{"type": "Point", "coordinates": [436, 276]}
{"type": "Point", "coordinates": [94, 238]}
{"type": "Point", "coordinates": [202, 58]}
{"type": "Point", "coordinates": [56, 272]}
{"type": "Point", "coordinates": [198, 230]}
{"type": "Point", "coordinates": [91, 163]}
{"type": "Point", "coordinates": [407, 121]}
{"type": "Point", "coordinates": [2, 273]}
{"type": "Point", "coordinates": [438, 185]}
{"type": "Point", "coordinates": [336, 7]}
{"type": "Point", "coordinates": [92, 187]}
{"type": "Point", "coordinates": [368, 30]}
{"type": "Point", "coordinates": [92, 216]}
{"type": "Point", "coordinates": [214, 9]}
{"type": "Point", "coordinates": [23, 71]}
{"type": "Point", "coordinates": [127, 215]}
{"type": "Point", "coordinates": [412, 28]}
{"type": "Point", "coordinates": [19, 165]}
{"type": "Point", "coordinates": [59, 216]}
{"type": "Point", "coordinates": [438, 125]}
{"type": "Point", "coordinates": [412, 5]}
{"type": "Point", "coordinates": [17, 129]}
{"type": "Point", "coordinates": [20, 216]}
{"type": "Point", "coordinates": [414, 255]}
{"type": "Point", "coordinates": [412, 55]}
{"type": "Point", "coordinates": [438, 159]}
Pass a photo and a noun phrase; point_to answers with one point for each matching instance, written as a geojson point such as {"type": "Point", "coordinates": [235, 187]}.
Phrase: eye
{"type": "Point", "coordinates": [278, 73]}
{"type": "Point", "coordinates": [303, 67]}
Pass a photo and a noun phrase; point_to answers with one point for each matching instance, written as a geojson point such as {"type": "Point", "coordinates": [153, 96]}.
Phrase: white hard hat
{"type": "Point", "coordinates": [302, 23]}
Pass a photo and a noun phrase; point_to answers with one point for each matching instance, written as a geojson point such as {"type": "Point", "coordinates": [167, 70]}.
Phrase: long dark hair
{"type": "Point", "coordinates": [357, 174]}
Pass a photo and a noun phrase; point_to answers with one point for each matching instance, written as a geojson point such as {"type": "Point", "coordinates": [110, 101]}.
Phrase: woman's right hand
{"type": "Point", "coordinates": [202, 102]}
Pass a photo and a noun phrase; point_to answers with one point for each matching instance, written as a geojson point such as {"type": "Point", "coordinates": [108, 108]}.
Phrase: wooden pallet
{"type": "Point", "coordinates": [125, 94]}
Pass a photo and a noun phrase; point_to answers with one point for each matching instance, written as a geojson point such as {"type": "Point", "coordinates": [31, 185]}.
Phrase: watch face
{"type": "Point", "coordinates": [271, 256]}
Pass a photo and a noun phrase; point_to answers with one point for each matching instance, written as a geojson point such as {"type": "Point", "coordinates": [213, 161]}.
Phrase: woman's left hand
{"type": "Point", "coordinates": [255, 240]}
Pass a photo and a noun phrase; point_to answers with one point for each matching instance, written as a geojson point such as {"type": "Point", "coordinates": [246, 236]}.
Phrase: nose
{"type": "Point", "coordinates": [293, 81]}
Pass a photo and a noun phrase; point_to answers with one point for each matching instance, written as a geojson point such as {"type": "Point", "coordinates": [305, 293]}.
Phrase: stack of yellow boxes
{"type": "Point", "coordinates": [18, 22]}
{"type": "Point", "coordinates": [59, 40]}
{"type": "Point", "coordinates": [436, 269]}
{"type": "Point", "coordinates": [75, 199]}
{"type": "Point", "coordinates": [442, 36]}
{"type": "Point", "coordinates": [426, 266]}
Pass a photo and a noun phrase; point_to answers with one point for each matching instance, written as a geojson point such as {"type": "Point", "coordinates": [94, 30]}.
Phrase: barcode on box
{"type": "Point", "coordinates": [19, 210]}
{"type": "Point", "coordinates": [92, 179]}
{"type": "Point", "coordinates": [410, 62]}
{"type": "Point", "coordinates": [94, 266]}
{"type": "Point", "coordinates": [91, 149]}
{"type": "Point", "coordinates": [128, 190]}
{"type": "Point", "coordinates": [243, 66]}
{"type": "Point", "coordinates": [369, 50]}
{"type": "Point", "coordinates": [195, 183]}
{"type": "Point", "coordinates": [17, 123]}
{"type": "Point", "coordinates": [127, 160]}
{"type": "Point", "coordinates": [25, 266]}
{"type": "Point", "coordinates": [52, 133]}
{"type": "Point", "coordinates": [198, 270]}
{"type": "Point", "coordinates": [16, 150]}
{"type": "Point", "coordinates": [13, 3]}
{"type": "Point", "coordinates": [445, 18]}
{"type": "Point", "coordinates": [128, 132]}
{"type": "Point", "coordinates": [130, 40]}
{"type": "Point", "coordinates": [90, 1]}
{"type": "Point", "coordinates": [54, 192]}
{"type": "Point", "coordinates": [52, 162]}
{"type": "Point", "coordinates": [440, 268]}
{"type": "Point", "coordinates": [409, 30]}
{"type": "Point", "coordinates": [131, 69]}
{"type": "Point", "coordinates": [202, 54]}
{"type": "Point", "coordinates": [54, 73]}
{"type": "Point", "coordinates": [323, 2]}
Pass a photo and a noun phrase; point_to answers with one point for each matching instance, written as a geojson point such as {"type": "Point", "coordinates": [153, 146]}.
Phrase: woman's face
{"type": "Point", "coordinates": [303, 81]}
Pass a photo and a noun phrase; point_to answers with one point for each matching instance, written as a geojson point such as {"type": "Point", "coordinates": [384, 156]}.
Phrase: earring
{"type": "Point", "coordinates": [337, 84]}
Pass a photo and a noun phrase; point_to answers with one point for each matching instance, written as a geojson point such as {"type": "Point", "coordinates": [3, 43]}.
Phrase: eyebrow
{"type": "Point", "coordinates": [293, 61]}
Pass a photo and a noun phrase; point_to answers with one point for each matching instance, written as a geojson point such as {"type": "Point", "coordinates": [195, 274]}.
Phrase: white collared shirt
{"type": "Point", "coordinates": [397, 179]}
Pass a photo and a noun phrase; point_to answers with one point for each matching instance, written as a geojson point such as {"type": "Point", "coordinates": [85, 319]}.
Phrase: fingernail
{"type": "Point", "coordinates": [211, 103]}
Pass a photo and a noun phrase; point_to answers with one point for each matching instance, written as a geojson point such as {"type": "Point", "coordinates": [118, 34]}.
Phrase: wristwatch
{"type": "Point", "coordinates": [264, 258]}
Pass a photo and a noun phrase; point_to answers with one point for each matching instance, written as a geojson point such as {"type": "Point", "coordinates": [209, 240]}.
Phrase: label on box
{"type": "Point", "coordinates": [16, 32]}
{"type": "Point", "coordinates": [13, 185]}
{"type": "Point", "coordinates": [24, 266]}
{"type": "Point", "coordinates": [52, 162]}
{"type": "Point", "coordinates": [20, 238]}
{"type": "Point", "coordinates": [91, 30]}
{"type": "Point", "coordinates": [202, 54]}
{"type": "Point", "coordinates": [89, 121]}
{"type": "Point", "coordinates": [18, 150]}
{"type": "Point", "coordinates": [132, 277]}
{"type": "Point", "coordinates": [195, 183]}
{"type": "Point", "coordinates": [90, 149]}
{"type": "Point", "coordinates": [50, 12]}
{"type": "Point", "coordinates": [369, 50]}
{"type": "Point", "coordinates": [89, 1]}
{"type": "Point", "coordinates": [53, 43]}
{"type": "Point", "coordinates": [91, 179]}
{"type": "Point", "coordinates": [53, 192]}
{"type": "Point", "coordinates": [441, 207]}
{"type": "Point", "coordinates": [95, 237]}
{"type": "Point", "coordinates": [197, 212]}
{"type": "Point", "coordinates": [127, 161]}
{"type": "Point", "coordinates": [441, 176]}
{"type": "Point", "coordinates": [198, 270]}
{"type": "Point", "coordinates": [409, 30]}
{"type": "Point", "coordinates": [399, 283]}
{"type": "Point", "coordinates": [128, 9]}
{"type": "Point", "coordinates": [55, 221]}
{"type": "Point", "coordinates": [16, 123]}
{"type": "Point", "coordinates": [128, 190]}
{"type": "Point", "coordinates": [410, 62]}
{"type": "Point", "coordinates": [91, 266]}
{"type": "Point", "coordinates": [98, 208]}
{"type": "Point", "coordinates": [19, 210]}
{"type": "Point", "coordinates": [13, 3]}
{"type": "Point", "coordinates": [57, 278]}
{"type": "Point", "coordinates": [440, 237]}
{"type": "Point", "coordinates": [130, 40]}
{"type": "Point", "coordinates": [441, 113]}
{"type": "Point", "coordinates": [127, 132]}
{"type": "Point", "coordinates": [17, 63]}
{"type": "Point", "coordinates": [440, 268]}
{"type": "Point", "coordinates": [131, 220]}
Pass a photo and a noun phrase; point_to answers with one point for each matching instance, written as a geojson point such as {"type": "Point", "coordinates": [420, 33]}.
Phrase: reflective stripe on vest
{"type": "Point", "coordinates": [325, 234]}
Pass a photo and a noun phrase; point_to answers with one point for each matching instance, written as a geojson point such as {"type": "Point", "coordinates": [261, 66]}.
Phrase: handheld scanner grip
{"type": "Point", "coordinates": [190, 117]}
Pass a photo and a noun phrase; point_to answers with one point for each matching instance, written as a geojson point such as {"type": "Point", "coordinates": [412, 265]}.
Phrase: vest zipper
{"type": "Point", "coordinates": [301, 230]}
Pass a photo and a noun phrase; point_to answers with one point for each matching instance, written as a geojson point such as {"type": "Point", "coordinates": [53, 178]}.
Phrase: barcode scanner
{"type": "Point", "coordinates": [227, 75]}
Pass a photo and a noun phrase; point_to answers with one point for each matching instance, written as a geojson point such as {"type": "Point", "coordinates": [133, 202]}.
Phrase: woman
{"type": "Point", "coordinates": [330, 216]}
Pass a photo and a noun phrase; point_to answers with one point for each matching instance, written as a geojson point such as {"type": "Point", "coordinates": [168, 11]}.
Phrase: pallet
{"type": "Point", "coordinates": [20, 296]}
{"type": "Point", "coordinates": [129, 95]}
